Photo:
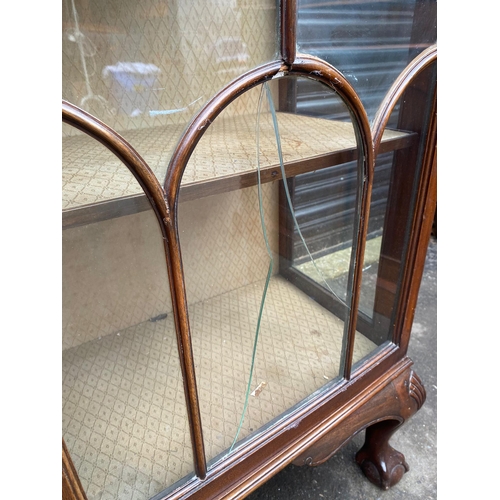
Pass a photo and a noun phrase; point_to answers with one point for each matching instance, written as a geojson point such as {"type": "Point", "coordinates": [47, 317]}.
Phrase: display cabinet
{"type": "Point", "coordinates": [248, 192]}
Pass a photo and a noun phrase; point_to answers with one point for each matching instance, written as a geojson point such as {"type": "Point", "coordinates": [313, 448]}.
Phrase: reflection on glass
{"type": "Point", "coordinates": [370, 42]}
{"type": "Point", "coordinates": [124, 416]}
{"type": "Point", "coordinates": [267, 217]}
{"type": "Point", "coordinates": [137, 56]}
{"type": "Point", "coordinates": [262, 342]}
{"type": "Point", "coordinates": [378, 208]}
{"type": "Point", "coordinates": [333, 193]}
{"type": "Point", "coordinates": [396, 176]}
{"type": "Point", "coordinates": [145, 68]}
{"type": "Point", "coordinates": [325, 205]}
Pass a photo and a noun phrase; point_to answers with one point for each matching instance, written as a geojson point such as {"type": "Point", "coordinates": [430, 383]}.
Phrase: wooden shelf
{"type": "Point", "coordinates": [97, 186]}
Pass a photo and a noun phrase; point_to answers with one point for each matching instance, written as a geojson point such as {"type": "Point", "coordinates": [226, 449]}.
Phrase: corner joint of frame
{"type": "Point", "coordinates": [286, 67]}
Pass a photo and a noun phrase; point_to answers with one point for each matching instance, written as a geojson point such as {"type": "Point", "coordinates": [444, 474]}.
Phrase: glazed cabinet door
{"type": "Point", "coordinates": [243, 189]}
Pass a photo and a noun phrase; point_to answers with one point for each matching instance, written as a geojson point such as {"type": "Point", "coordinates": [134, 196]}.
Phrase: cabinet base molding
{"type": "Point", "coordinates": [381, 416]}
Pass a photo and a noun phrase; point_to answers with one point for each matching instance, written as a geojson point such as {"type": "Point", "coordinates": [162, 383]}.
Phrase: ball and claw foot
{"type": "Point", "coordinates": [380, 462]}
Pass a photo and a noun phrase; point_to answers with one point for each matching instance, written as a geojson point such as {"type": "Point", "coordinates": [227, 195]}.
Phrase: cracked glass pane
{"type": "Point", "coordinates": [263, 343]}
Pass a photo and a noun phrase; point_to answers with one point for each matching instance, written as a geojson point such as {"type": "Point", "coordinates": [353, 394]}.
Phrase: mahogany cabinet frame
{"type": "Point", "coordinates": [379, 394]}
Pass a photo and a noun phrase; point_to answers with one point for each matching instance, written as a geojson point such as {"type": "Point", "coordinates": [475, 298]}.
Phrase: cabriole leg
{"type": "Point", "coordinates": [379, 461]}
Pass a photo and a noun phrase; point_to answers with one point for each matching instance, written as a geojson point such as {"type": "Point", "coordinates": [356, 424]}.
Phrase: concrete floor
{"type": "Point", "coordinates": [340, 478]}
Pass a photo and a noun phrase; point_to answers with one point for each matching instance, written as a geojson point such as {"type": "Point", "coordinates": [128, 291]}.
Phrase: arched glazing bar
{"type": "Point", "coordinates": [164, 201]}
{"type": "Point", "coordinates": [402, 83]}
{"type": "Point", "coordinates": [304, 66]}
{"type": "Point", "coordinates": [404, 80]}
{"type": "Point", "coordinates": [96, 129]}
{"type": "Point", "coordinates": [309, 67]}
{"type": "Point", "coordinates": [292, 64]}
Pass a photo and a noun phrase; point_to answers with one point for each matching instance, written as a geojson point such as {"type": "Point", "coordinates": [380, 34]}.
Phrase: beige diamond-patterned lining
{"type": "Point", "coordinates": [222, 243]}
{"type": "Point", "coordinates": [124, 416]}
{"type": "Point", "coordinates": [198, 46]}
{"type": "Point", "coordinates": [113, 276]}
{"type": "Point", "coordinates": [114, 272]}
{"type": "Point", "coordinates": [91, 174]}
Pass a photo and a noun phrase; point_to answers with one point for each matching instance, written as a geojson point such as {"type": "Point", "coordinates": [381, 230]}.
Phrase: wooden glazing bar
{"type": "Point", "coordinates": [234, 477]}
{"type": "Point", "coordinates": [411, 82]}
{"type": "Point", "coordinates": [288, 29]}
{"type": "Point", "coordinates": [85, 122]}
{"type": "Point", "coordinates": [176, 273]}
{"type": "Point", "coordinates": [72, 488]}
{"type": "Point", "coordinates": [305, 66]}
{"type": "Point", "coordinates": [80, 119]}
{"type": "Point", "coordinates": [385, 109]}
{"type": "Point", "coordinates": [421, 227]}
{"type": "Point", "coordinates": [312, 67]}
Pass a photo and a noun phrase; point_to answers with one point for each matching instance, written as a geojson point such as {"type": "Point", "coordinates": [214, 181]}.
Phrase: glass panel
{"type": "Point", "coordinates": [370, 42]}
{"type": "Point", "coordinates": [262, 341]}
{"type": "Point", "coordinates": [378, 207]}
{"type": "Point", "coordinates": [325, 206]}
{"type": "Point", "coordinates": [123, 409]}
{"type": "Point", "coordinates": [145, 68]}
{"type": "Point", "coordinates": [397, 174]}
{"type": "Point", "coordinates": [334, 189]}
